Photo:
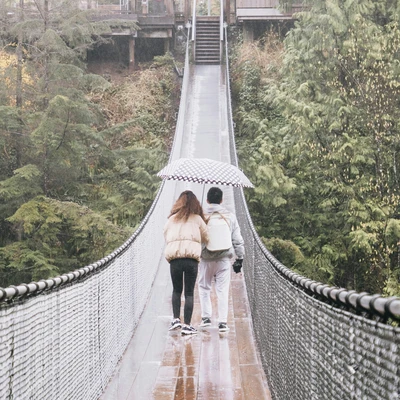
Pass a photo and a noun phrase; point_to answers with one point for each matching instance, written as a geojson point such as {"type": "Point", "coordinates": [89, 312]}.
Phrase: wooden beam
{"type": "Point", "coordinates": [166, 33]}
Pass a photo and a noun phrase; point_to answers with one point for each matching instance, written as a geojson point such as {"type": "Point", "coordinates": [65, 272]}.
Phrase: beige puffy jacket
{"type": "Point", "coordinates": [183, 238]}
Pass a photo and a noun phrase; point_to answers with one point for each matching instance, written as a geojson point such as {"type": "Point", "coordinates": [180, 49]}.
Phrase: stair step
{"type": "Point", "coordinates": [210, 42]}
{"type": "Point", "coordinates": [207, 58]}
{"type": "Point", "coordinates": [208, 55]}
{"type": "Point", "coordinates": [207, 46]}
{"type": "Point", "coordinates": [207, 50]}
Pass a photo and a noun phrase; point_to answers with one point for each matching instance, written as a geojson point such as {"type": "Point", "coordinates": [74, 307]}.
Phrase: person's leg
{"type": "Point", "coordinates": [177, 283]}
{"type": "Point", "coordinates": [222, 281]}
{"type": "Point", "coordinates": [205, 279]}
{"type": "Point", "coordinates": [190, 275]}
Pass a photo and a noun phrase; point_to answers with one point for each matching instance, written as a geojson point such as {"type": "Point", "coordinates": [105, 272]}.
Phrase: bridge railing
{"type": "Point", "coordinates": [62, 338]}
{"type": "Point", "coordinates": [316, 341]}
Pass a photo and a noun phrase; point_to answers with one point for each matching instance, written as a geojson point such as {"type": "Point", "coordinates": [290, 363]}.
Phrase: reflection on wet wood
{"type": "Point", "coordinates": [245, 341]}
{"type": "Point", "coordinates": [166, 383]}
{"type": "Point", "coordinates": [214, 365]}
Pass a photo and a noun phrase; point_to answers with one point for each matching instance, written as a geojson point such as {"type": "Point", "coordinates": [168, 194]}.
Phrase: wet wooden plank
{"type": "Point", "coordinates": [186, 388]}
{"type": "Point", "coordinates": [142, 387]}
{"type": "Point", "coordinates": [245, 341]}
{"type": "Point", "coordinates": [156, 347]}
{"type": "Point", "coordinates": [239, 296]}
{"type": "Point", "coordinates": [187, 382]}
{"type": "Point", "coordinates": [208, 387]}
{"type": "Point", "coordinates": [165, 383]}
{"type": "Point", "coordinates": [229, 353]}
{"type": "Point", "coordinates": [253, 383]}
{"type": "Point", "coordinates": [173, 349]}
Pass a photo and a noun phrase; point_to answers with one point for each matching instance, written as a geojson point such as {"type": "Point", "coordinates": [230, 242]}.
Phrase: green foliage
{"type": "Point", "coordinates": [18, 263]}
{"type": "Point", "coordinates": [327, 126]}
{"type": "Point", "coordinates": [285, 251]}
{"type": "Point", "coordinates": [79, 155]}
{"type": "Point", "coordinates": [23, 185]}
{"type": "Point", "coordinates": [56, 237]}
{"type": "Point", "coordinates": [12, 140]}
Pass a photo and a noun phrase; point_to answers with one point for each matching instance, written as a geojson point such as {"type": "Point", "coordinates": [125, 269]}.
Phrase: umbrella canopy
{"type": "Point", "coordinates": [205, 170]}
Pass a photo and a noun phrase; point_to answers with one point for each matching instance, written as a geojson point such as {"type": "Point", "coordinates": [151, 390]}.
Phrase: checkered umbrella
{"type": "Point", "coordinates": [204, 170]}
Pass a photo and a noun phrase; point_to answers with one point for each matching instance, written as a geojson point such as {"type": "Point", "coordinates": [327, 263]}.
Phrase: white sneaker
{"type": "Point", "coordinates": [188, 330]}
{"type": "Point", "coordinates": [175, 324]}
{"type": "Point", "coordinates": [205, 322]}
{"type": "Point", "coordinates": [223, 327]}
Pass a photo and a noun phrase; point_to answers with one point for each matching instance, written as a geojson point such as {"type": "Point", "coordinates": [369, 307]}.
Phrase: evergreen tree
{"type": "Point", "coordinates": [332, 116]}
{"type": "Point", "coordinates": [74, 179]}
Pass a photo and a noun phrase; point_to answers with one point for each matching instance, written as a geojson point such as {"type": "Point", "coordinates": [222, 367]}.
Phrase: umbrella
{"type": "Point", "coordinates": [205, 170]}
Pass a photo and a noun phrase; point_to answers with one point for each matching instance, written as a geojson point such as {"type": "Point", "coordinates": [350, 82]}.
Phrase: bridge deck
{"type": "Point", "coordinates": [164, 365]}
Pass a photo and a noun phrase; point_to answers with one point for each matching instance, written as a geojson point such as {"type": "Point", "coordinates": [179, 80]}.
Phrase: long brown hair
{"type": "Point", "coordinates": [186, 205]}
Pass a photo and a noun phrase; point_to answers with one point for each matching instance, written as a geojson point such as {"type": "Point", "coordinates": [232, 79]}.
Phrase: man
{"type": "Point", "coordinates": [218, 264]}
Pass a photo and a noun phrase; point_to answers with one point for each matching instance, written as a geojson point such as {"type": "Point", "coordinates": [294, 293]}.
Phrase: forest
{"type": "Point", "coordinates": [78, 154]}
{"type": "Point", "coordinates": [317, 115]}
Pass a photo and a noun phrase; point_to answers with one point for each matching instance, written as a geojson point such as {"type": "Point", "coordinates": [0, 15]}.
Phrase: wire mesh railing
{"type": "Point", "coordinates": [316, 341]}
{"type": "Point", "coordinates": [62, 338]}
{"type": "Point", "coordinates": [65, 340]}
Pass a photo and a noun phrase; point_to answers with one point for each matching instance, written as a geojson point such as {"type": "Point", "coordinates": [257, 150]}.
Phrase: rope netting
{"type": "Point", "coordinates": [311, 349]}
{"type": "Point", "coordinates": [65, 343]}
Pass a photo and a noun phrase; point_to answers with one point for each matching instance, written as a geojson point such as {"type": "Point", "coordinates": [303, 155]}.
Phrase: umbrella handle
{"type": "Point", "coordinates": [202, 195]}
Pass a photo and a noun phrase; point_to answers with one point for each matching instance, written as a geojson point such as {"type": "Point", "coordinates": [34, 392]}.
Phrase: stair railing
{"type": "Point", "coordinates": [194, 30]}
{"type": "Point", "coordinates": [221, 29]}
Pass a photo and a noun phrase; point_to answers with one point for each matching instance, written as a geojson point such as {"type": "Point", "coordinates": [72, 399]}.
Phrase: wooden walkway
{"type": "Point", "coordinates": [164, 365]}
{"type": "Point", "coordinates": [213, 365]}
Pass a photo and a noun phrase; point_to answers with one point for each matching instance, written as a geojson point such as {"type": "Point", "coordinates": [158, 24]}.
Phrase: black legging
{"type": "Point", "coordinates": [183, 269]}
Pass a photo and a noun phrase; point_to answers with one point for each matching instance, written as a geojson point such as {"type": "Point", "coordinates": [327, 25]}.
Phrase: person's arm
{"type": "Point", "coordinates": [203, 231]}
{"type": "Point", "coordinates": [238, 245]}
{"type": "Point", "coordinates": [237, 239]}
{"type": "Point", "coordinates": [165, 229]}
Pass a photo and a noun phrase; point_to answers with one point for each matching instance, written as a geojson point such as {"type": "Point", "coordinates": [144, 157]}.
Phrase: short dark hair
{"type": "Point", "coordinates": [214, 195]}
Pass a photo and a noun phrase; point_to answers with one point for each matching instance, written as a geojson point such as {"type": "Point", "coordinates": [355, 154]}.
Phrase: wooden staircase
{"type": "Point", "coordinates": [207, 45]}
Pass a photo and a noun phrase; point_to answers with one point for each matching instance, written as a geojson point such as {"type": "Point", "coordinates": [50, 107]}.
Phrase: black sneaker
{"type": "Point", "coordinates": [188, 330]}
{"type": "Point", "coordinates": [175, 324]}
{"type": "Point", "coordinates": [223, 327]}
{"type": "Point", "coordinates": [205, 322]}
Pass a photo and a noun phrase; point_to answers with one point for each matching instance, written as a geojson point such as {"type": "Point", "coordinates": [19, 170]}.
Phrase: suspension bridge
{"type": "Point", "coordinates": [101, 332]}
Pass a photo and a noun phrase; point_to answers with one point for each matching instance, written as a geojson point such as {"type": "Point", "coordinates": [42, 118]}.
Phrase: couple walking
{"type": "Point", "coordinates": [187, 235]}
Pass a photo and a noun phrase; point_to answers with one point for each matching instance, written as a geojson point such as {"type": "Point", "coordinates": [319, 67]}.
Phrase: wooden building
{"type": "Point", "coordinates": [160, 20]}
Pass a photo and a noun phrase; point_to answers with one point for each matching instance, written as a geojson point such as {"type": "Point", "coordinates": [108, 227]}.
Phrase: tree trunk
{"type": "Point", "coordinates": [18, 90]}
{"type": "Point", "coordinates": [46, 62]}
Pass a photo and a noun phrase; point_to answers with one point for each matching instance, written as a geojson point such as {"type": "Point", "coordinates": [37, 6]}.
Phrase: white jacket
{"type": "Point", "coordinates": [184, 238]}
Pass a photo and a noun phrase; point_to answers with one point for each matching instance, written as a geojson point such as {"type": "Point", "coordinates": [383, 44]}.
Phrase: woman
{"type": "Point", "coordinates": [184, 233]}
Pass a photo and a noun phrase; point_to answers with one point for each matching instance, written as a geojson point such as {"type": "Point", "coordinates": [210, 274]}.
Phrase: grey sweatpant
{"type": "Point", "coordinates": [221, 269]}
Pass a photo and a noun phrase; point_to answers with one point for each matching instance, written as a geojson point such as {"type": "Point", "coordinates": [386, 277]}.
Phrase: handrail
{"type": "Point", "coordinates": [194, 29]}
{"type": "Point", "coordinates": [221, 29]}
